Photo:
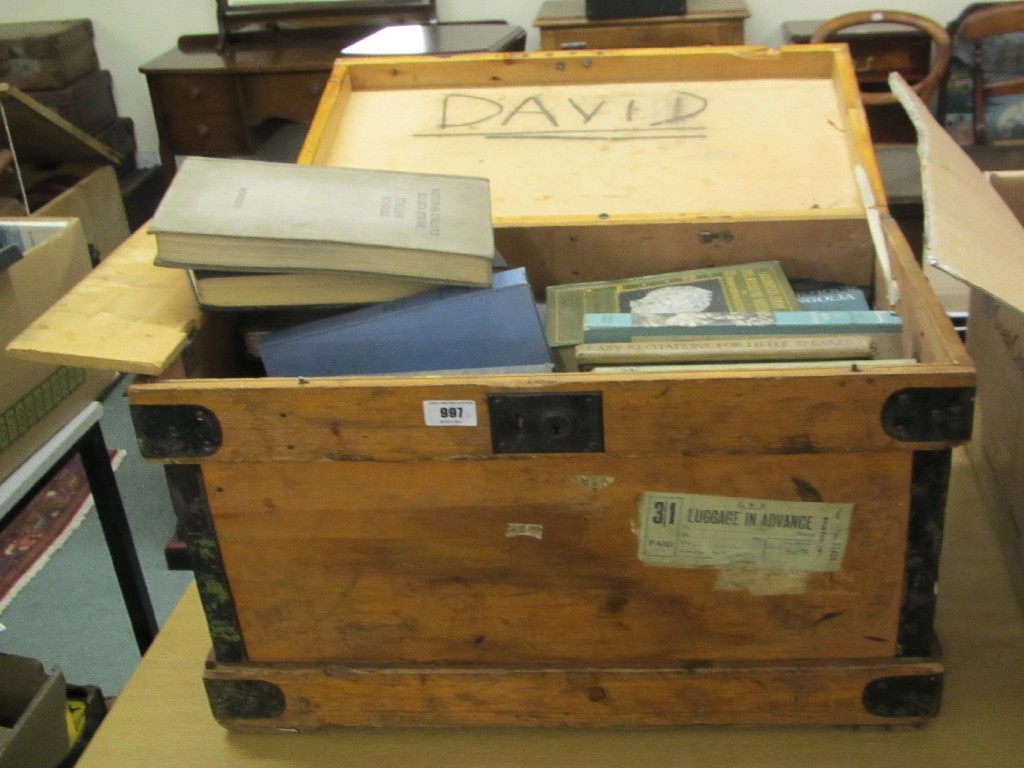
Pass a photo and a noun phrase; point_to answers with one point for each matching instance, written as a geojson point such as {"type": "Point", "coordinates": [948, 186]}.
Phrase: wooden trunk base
{"type": "Point", "coordinates": [303, 697]}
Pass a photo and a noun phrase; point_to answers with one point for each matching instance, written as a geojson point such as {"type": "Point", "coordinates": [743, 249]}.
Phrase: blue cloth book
{"type": "Point", "coordinates": [446, 329]}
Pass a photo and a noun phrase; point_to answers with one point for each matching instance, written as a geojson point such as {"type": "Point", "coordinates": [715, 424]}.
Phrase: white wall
{"type": "Point", "coordinates": [131, 32]}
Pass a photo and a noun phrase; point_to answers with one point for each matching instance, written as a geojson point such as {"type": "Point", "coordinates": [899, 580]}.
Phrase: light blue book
{"type": "Point", "coordinates": [820, 296]}
{"type": "Point", "coordinates": [447, 329]}
{"type": "Point", "coordinates": [621, 326]}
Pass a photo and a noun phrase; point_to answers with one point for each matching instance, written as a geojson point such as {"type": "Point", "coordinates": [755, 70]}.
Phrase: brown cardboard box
{"type": "Point", "coordinates": [37, 399]}
{"type": "Point", "coordinates": [95, 201]}
{"type": "Point", "coordinates": [33, 724]}
{"type": "Point", "coordinates": [996, 341]}
{"type": "Point", "coordinates": [974, 233]}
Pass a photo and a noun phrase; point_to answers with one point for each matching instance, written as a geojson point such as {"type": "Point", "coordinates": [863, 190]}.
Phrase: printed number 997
{"type": "Point", "coordinates": [454, 412]}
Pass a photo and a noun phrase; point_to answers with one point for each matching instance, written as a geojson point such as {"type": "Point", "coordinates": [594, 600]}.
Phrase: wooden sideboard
{"type": "Point", "coordinates": [220, 101]}
{"type": "Point", "coordinates": [563, 24]}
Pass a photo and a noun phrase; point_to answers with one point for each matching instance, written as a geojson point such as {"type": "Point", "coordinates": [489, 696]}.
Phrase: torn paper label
{"type": "Point", "coordinates": [693, 531]}
{"type": "Point", "coordinates": [531, 530]}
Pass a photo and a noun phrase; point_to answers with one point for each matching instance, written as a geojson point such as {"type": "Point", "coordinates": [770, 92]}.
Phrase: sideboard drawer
{"type": "Point", "coordinates": [210, 94]}
{"type": "Point", "coordinates": [291, 96]}
{"type": "Point", "coordinates": [207, 133]}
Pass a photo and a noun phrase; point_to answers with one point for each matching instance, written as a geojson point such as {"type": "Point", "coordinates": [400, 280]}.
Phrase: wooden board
{"type": "Point", "coordinates": [809, 693]}
{"type": "Point", "coordinates": [653, 150]}
{"type": "Point", "coordinates": [647, 414]}
{"type": "Point", "coordinates": [127, 315]}
{"type": "Point", "coordinates": [593, 154]}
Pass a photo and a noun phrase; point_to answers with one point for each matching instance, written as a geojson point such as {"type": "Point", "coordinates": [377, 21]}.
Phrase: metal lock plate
{"type": "Point", "coordinates": [546, 422]}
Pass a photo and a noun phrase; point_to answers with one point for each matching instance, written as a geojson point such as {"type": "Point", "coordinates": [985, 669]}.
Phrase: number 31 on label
{"type": "Point", "coordinates": [449, 413]}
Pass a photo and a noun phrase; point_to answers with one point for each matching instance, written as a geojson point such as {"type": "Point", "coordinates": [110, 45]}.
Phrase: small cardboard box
{"type": "Point", "coordinates": [974, 233]}
{"type": "Point", "coordinates": [33, 724]}
{"type": "Point", "coordinates": [37, 399]}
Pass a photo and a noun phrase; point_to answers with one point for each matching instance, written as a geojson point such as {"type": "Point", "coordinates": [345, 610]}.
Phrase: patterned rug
{"type": "Point", "coordinates": [31, 537]}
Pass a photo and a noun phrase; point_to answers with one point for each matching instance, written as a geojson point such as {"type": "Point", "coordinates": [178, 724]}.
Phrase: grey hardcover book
{"type": "Point", "coordinates": [225, 214]}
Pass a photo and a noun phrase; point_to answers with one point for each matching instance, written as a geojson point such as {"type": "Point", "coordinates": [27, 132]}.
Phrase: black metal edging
{"type": "Point", "coordinates": [176, 431]}
{"type": "Point", "coordinates": [929, 489]}
{"type": "Point", "coordinates": [929, 414]}
{"type": "Point", "coordinates": [915, 696]}
{"type": "Point", "coordinates": [244, 699]}
{"type": "Point", "coordinates": [188, 495]}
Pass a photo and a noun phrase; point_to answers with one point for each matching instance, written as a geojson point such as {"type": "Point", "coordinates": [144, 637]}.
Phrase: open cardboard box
{"type": "Point", "coordinates": [974, 232]}
{"type": "Point", "coordinates": [33, 723]}
{"type": "Point", "coordinates": [36, 399]}
{"type": "Point", "coordinates": [48, 154]}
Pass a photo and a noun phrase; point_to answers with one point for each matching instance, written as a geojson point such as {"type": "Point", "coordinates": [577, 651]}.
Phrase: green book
{"type": "Point", "coordinates": [753, 287]}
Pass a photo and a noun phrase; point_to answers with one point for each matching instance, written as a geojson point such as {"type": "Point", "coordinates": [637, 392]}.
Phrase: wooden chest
{"type": "Point", "coordinates": [359, 566]}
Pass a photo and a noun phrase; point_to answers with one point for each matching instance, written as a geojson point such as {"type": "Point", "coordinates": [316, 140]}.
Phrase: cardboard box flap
{"type": "Point", "coordinates": [970, 232]}
{"type": "Point", "coordinates": [126, 315]}
{"type": "Point", "coordinates": [40, 135]}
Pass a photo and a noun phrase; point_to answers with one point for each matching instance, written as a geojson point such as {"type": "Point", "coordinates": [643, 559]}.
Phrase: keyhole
{"type": "Point", "coordinates": [558, 425]}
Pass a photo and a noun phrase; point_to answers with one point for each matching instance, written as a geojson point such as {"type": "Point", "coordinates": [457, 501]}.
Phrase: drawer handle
{"type": "Point", "coordinates": [314, 89]}
{"type": "Point", "coordinates": [194, 92]}
{"type": "Point", "coordinates": [574, 45]}
{"type": "Point", "coordinates": [202, 130]}
{"type": "Point", "coordinates": [867, 66]}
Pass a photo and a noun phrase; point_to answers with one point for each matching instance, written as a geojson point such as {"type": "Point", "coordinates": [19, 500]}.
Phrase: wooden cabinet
{"type": "Point", "coordinates": [208, 102]}
{"type": "Point", "coordinates": [563, 25]}
{"type": "Point", "coordinates": [216, 101]}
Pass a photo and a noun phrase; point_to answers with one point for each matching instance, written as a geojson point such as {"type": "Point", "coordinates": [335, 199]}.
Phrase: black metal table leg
{"type": "Point", "coordinates": [110, 510]}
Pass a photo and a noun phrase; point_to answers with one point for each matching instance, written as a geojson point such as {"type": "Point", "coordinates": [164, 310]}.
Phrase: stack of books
{"type": "Point", "coordinates": [738, 314]}
{"type": "Point", "coordinates": [403, 264]}
{"type": "Point", "coordinates": [255, 234]}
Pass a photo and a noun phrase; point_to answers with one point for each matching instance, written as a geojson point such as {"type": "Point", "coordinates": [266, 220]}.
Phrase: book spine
{"type": "Point", "coordinates": [728, 349]}
{"type": "Point", "coordinates": [621, 327]}
{"type": "Point", "coordinates": [853, 366]}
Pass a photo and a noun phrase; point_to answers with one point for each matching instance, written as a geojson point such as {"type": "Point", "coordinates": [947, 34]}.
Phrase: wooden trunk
{"type": "Point", "coordinates": [360, 567]}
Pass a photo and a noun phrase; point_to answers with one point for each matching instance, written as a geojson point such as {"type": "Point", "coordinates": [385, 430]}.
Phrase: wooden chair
{"type": "Point", "coordinates": [927, 86]}
{"type": "Point", "coordinates": [978, 24]}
